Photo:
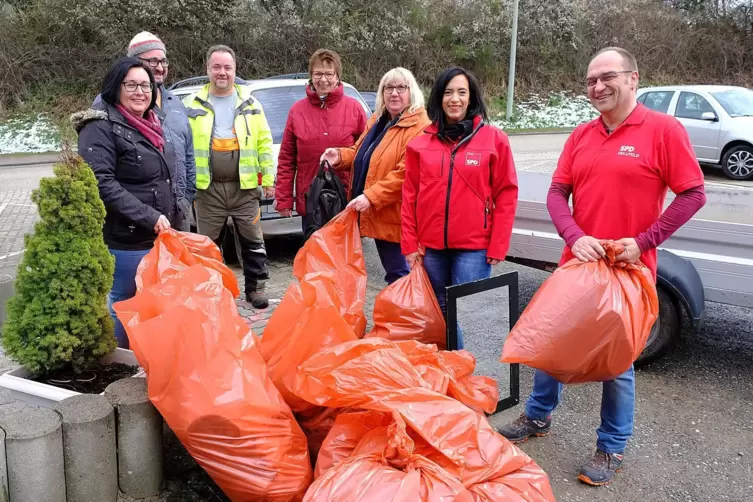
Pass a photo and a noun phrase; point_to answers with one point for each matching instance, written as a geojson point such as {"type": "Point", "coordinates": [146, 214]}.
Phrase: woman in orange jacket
{"type": "Point", "coordinates": [377, 162]}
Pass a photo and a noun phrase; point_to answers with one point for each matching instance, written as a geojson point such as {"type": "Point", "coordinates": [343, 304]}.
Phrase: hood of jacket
{"type": "Point", "coordinates": [80, 119]}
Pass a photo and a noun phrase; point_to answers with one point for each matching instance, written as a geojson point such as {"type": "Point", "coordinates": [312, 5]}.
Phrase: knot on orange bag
{"type": "Point", "coordinates": [612, 249]}
{"type": "Point", "coordinates": [399, 452]}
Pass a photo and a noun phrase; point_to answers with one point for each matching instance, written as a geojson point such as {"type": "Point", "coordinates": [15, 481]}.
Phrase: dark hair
{"type": "Point", "coordinates": [117, 73]}
{"type": "Point", "coordinates": [476, 105]}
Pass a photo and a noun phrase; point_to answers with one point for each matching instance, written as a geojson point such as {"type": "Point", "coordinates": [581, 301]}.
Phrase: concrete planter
{"type": "Point", "coordinates": [48, 396]}
{"type": "Point", "coordinates": [6, 291]}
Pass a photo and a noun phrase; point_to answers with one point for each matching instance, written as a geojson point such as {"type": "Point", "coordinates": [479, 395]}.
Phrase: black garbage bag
{"type": "Point", "coordinates": [325, 199]}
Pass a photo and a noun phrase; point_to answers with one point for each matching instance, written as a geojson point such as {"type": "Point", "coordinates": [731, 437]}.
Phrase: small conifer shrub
{"type": "Point", "coordinates": [58, 316]}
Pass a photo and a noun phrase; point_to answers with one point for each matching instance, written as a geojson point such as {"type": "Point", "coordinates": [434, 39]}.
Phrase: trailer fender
{"type": "Point", "coordinates": [680, 278]}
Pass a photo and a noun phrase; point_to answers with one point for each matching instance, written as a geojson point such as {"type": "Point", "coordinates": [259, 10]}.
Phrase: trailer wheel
{"type": "Point", "coordinates": [666, 330]}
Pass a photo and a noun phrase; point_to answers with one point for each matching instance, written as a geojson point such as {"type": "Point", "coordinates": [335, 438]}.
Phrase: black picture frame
{"type": "Point", "coordinates": [508, 280]}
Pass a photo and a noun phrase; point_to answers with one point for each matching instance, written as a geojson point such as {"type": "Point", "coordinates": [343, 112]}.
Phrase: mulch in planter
{"type": "Point", "coordinates": [93, 380]}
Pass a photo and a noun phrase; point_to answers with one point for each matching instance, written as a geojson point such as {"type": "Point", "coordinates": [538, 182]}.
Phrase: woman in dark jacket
{"type": "Point", "coordinates": [460, 190]}
{"type": "Point", "coordinates": [121, 139]}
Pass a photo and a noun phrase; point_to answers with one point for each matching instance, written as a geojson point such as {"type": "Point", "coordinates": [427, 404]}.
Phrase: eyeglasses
{"type": "Point", "coordinates": [320, 75]}
{"type": "Point", "coordinates": [399, 88]}
{"type": "Point", "coordinates": [131, 87]}
{"type": "Point", "coordinates": [605, 78]}
{"type": "Point", "coordinates": [154, 62]}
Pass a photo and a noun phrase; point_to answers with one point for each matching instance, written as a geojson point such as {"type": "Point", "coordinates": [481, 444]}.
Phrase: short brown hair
{"type": "Point", "coordinates": [220, 48]}
{"type": "Point", "coordinates": [322, 56]}
{"type": "Point", "coordinates": [628, 60]}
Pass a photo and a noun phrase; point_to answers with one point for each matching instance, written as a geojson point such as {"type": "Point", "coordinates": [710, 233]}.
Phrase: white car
{"type": "Point", "coordinates": [276, 95]}
{"type": "Point", "coordinates": [719, 121]}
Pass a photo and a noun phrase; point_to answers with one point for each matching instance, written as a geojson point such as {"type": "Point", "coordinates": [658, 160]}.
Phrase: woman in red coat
{"type": "Point", "coordinates": [460, 190]}
{"type": "Point", "coordinates": [325, 118]}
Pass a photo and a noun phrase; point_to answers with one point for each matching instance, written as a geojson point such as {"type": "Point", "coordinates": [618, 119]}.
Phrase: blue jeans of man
{"type": "Point", "coordinates": [617, 407]}
{"type": "Point", "coordinates": [451, 267]}
{"type": "Point", "coordinates": [123, 286]}
{"type": "Point", "coordinates": [394, 263]}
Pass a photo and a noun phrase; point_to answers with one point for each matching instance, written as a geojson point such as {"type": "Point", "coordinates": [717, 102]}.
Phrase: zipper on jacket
{"type": "Point", "coordinates": [449, 184]}
{"type": "Point", "coordinates": [486, 212]}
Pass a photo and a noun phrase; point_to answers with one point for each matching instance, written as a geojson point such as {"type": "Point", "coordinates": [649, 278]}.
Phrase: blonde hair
{"type": "Point", "coordinates": [416, 96]}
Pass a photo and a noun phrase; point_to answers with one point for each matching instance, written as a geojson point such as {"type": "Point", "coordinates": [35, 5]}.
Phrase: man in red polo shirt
{"type": "Point", "coordinates": [618, 168]}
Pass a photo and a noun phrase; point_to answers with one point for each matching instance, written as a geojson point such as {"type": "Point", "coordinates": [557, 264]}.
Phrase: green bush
{"type": "Point", "coordinates": [59, 316]}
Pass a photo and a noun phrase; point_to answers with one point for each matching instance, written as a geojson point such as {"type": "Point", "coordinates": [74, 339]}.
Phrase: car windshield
{"type": "Point", "coordinates": [736, 102]}
{"type": "Point", "coordinates": [277, 101]}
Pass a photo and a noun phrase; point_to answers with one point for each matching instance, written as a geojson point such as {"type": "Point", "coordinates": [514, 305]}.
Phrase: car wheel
{"type": "Point", "coordinates": [666, 330]}
{"type": "Point", "coordinates": [738, 163]}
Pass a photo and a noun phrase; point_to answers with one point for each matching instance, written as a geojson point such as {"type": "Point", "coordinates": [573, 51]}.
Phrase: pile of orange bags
{"type": "Point", "coordinates": [385, 417]}
{"type": "Point", "coordinates": [588, 322]}
{"type": "Point", "coordinates": [206, 376]}
{"type": "Point", "coordinates": [412, 443]}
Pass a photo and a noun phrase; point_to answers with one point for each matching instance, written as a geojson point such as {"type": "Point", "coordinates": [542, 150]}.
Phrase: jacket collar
{"type": "Point", "coordinates": [243, 97]}
{"type": "Point", "coordinates": [407, 119]}
{"type": "Point", "coordinates": [433, 128]}
{"type": "Point", "coordinates": [333, 97]}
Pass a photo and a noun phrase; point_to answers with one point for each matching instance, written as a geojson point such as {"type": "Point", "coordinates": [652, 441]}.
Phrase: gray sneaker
{"type": "Point", "coordinates": [601, 469]}
{"type": "Point", "coordinates": [523, 428]}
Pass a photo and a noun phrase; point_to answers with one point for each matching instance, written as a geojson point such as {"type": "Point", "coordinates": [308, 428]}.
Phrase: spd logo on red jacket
{"type": "Point", "coordinates": [472, 159]}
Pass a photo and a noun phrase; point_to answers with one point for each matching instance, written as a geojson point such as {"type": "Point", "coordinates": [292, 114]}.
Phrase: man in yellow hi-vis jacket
{"type": "Point", "coordinates": [233, 151]}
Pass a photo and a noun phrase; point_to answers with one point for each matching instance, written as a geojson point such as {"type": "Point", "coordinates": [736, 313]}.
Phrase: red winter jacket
{"type": "Point", "coordinates": [459, 196]}
{"type": "Point", "coordinates": [312, 127]}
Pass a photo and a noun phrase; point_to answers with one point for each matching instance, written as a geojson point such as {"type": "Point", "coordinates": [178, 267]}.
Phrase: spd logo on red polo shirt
{"type": "Point", "coordinates": [472, 159]}
{"type": "Point", "coordinates": [628, 151]}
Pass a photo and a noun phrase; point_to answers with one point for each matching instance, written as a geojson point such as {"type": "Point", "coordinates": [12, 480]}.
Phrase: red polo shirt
{"type": "Point", "coordinates": [620, 180]}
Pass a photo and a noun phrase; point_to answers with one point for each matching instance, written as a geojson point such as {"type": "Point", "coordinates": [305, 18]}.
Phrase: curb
{"type": "Point", "coordinates": [13, 160]}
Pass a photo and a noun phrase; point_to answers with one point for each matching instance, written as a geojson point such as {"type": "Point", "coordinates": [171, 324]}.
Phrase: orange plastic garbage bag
{"type": "Point", "coordinates": [208, 380]}
{"type": "Point", "coordinates": [174, 251]}
{"type": "Point", "coordinates": [374, 374]}
{"type": "Point", "coordinates": [408, 310]}
{"type": "Point", "coordinates": [336, 248]}
{"type": "Point", "coordinates": [395, 474]}
{"type": "Point", "coordinates": [588, 322]}
{"type": "Point", "coordinates": [475, 391]}
{"type": "Point", "coordinates": [348, 430]}
{"type": "Point", "coordinates": [307, 321]}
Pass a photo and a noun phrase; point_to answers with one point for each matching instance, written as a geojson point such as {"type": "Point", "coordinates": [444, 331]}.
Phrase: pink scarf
{"type": "Point", "coordinates": [149, 126]}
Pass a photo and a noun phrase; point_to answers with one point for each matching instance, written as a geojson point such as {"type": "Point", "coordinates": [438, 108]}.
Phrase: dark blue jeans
{"type": "Point", "coordinates": [617, 407]}
{"type": "Point", "coordinates": [392, 260]}
{"type": "Point", "coordinates": [451, 267]}
{"type": "Point", "coordinates": [123, 286]}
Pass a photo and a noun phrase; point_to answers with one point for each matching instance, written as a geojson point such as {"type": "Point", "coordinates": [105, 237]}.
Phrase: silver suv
{"type": "Point", "coordinates": [276, 95]}
{"type": "Point", "coordinates": [719, 121]}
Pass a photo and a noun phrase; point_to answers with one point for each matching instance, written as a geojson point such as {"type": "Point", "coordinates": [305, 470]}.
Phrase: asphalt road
{"type": "Point", "coordinates": [694, 413]}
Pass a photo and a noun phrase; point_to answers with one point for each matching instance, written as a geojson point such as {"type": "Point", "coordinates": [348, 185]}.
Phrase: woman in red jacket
{"type": "Point", "coordinates": [460, 190]}
{"type": "Point", "coordinates": [325, 118]}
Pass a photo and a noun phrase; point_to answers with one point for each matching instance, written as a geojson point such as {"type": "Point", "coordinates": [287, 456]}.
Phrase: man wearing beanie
{"type": "Point", "coordinates": [172, 114]}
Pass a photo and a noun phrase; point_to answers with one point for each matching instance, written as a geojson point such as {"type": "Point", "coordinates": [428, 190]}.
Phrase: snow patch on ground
{"type": "Point", "coordinates": [556, 110]}
{"type": "Point", "coordinates": [25, 136]}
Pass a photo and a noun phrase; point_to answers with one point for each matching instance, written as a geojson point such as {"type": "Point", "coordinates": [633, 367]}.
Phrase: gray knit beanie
{"type": "Point", "coordinates": [145, 42]}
